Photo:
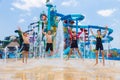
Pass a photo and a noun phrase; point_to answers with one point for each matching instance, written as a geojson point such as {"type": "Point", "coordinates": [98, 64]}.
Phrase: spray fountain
{"type": "Point", "coordinates": [60, 40]}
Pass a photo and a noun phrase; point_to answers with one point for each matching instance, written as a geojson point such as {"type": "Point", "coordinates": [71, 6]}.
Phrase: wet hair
{"type": "Point", "coordinates": [73, 31]}
{"type": "Point", "coordinates": [49, 30]}
{"type": "Point", "coordinates": [99, 30]}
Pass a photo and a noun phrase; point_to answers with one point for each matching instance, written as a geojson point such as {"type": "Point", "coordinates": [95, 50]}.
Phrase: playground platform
{"type": "Point", "coordinates": [57, 69]}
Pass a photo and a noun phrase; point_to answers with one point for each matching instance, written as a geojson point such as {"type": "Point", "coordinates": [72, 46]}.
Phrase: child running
{"type": "Point", "coordinates": [99, 44]}
{"type": "Point", "coordinates": [25, 45]}
{"type": "Point", "coordinates": [74, 43]}
{"type": "Point", "coordinates": [49, 45]}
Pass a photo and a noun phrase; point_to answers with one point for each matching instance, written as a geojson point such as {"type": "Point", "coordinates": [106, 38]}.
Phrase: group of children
{"type": "Point", "coordinates": [74, 43]}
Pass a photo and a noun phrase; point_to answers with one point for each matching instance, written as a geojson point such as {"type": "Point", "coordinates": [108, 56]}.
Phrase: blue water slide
{"type": "Point", "coordinates": [97, 27]}
{"type": "Point", "coordinates": [68, 17]}
{"type": "Point", "coordinates": [54, 13]}
{"type": "Point", "coordinates": [73, 17]}
{"type": "Point", "coordinates": [103, 28]}
{"type": "Point", "coordinates": [66, 51]}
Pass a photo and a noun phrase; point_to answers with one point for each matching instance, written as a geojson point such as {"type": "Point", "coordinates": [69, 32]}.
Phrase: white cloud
{"type": "Point", "coordinates": [12, 9]}
{"type": "Point", "coordinates": [25, 14]}
{"type": "Point", "coordinates": [21, 20]}
{"type": "Point", "coordinates": [70, 3]}
{"type": "Point", "coordinates": [106, 12]}
{"type": "Point", "coordinates": [28, 4]}
{"type": "Point", "coordinates": [35, 19]}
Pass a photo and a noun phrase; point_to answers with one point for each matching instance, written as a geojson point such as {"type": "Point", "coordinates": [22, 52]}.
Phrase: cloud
{"type": "Point", "coordinates": [106, 12]}
{"type": "Point", "coordinates": [28, 4]}
{"type": "Point", "coordinates": [35, 19]}
{"type": "Point", "coordinates": [12, 9]}
{"type": "Point", "coordinates": [69, 3]}
{"type": "Point", "coordinates": [21, 20]}
{"type": "Point", "coordinates": [25, 14]}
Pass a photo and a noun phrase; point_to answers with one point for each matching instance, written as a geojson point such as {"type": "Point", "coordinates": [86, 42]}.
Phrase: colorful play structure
{"type": "Point", "coordinates": [51, 21]}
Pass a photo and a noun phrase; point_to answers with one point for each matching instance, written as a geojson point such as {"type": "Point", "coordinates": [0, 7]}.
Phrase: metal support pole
{"type": "Point", "coordinates": [107, 47]}
{"type": "Point", "coordinates": [76, 26]}
{"type": "Point", "coordinates": [88, 40]}
{"type": "Point", "coordinates": [84, 41]}
{"type": "Point", "coordinates": [49, 9]}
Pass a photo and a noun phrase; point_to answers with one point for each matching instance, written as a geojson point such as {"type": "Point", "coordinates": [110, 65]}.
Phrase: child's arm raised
{"type": "Point", "coordinates": [105, 31]}
{"type": "Point", "coordinates": [92, 32]}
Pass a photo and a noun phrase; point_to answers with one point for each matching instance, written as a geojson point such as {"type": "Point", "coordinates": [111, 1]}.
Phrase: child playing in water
{"type": "Point", "coordinates": [49, 45]}
{"type": "Point", "coordinates": [74, 43]}
{"type": "Point", "coordinates": [25, 45]}
{"type": "Point", "coordinates": [99, 44]}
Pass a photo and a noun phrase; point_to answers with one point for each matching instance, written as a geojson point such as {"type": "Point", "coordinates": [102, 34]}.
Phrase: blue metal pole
{"type": "Point", "coordinates": [49, 22]}
{"type": "Point", "coordinates": [88, 40]}
{"type": "Point", "coordinates": [88, 35]}
{"type": "Point", "coordinates": [48, 28]}
{"type": "Point", "coordinates": [76, 26]}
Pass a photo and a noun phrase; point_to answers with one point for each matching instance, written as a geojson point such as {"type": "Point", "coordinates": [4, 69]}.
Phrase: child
{"type": "Point", "coordinates": [99, 44]}
{"type": "Point", "coordinates": [25, 45]}
{"type": "Point", "coordinates": [74, 44]}
{"type": "Point", "coordinates": [49, 38]}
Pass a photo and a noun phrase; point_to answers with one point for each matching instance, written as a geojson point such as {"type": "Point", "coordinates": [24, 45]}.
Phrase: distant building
{"type": "Point", "coordinates": [12, 45]}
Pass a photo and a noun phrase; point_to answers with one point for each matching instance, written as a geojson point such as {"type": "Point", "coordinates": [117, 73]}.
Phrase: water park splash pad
{"type": "Point", "coordinates": [59, 23]}
{"type": "Point", "coordinates": [55, 69]}
{"type": "Point", "coordinates": [43, 67]}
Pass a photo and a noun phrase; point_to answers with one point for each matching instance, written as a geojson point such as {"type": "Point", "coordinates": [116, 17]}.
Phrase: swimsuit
{"type": "Point", "coordinates": [25, 47]}
{"type": "Point", "coordinates": [99, 43]}
{"type": "Point", "coordinates": [49, 46]}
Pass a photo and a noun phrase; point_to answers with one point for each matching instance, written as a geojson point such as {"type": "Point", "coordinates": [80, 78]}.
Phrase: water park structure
{"type": "Point", "coordinates": [43, 67]}
{"type": "Point", "coordinates": [59, 23]}
{"type": "Point", "coordinates": [53, 19]}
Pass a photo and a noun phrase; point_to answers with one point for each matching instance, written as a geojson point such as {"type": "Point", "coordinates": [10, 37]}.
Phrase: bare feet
{"type": "Point", "coordinates": [95, 64]}
{"type": "Point", "coordinates": [67, 59]}
{"type": "Point", "coordinates": [49, 55]}
{"type": "Point", "coordinates": [82, 59]}
{"type": "Point", "coordinates": [23, 61]}
{"type": "Point", "coordinates": [103, 64]}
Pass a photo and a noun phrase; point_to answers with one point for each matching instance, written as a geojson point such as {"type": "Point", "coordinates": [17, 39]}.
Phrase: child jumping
{"type": "Point", "coordinates": [99, 44]}
{"type": "Point", "coordinates": [49, 45]}
{"type": "Point", "coordinates": [25, 49]}
{"type": "Point", "coordinates": [74, 43]}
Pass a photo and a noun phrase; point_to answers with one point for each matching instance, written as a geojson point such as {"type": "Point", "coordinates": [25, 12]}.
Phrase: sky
{"type": "Point", "coordinates": [14, 13]}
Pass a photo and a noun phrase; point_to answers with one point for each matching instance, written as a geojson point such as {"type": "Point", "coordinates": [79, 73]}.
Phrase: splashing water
{"type": "Point", "coordinates": [5, 51]}
{"type": "Point", "coordinates": [39, 41]}
{"type": "Point", "coordinates": [40, 45]}
{"type": "Point", "coordinates": [60, 40]}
